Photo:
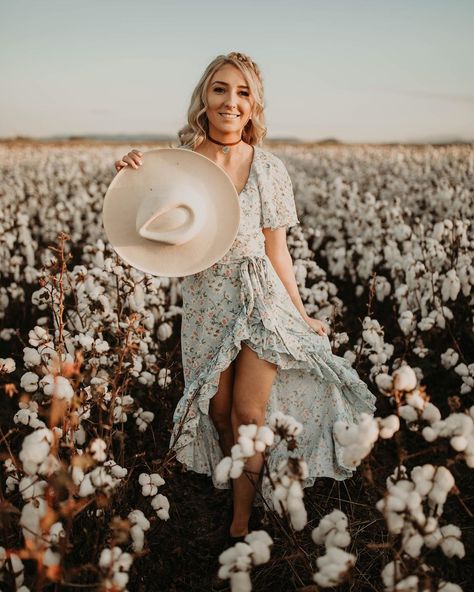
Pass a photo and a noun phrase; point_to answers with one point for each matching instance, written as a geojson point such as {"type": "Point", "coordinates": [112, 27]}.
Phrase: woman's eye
{"type": "Point", "coordinates": [242, 91]}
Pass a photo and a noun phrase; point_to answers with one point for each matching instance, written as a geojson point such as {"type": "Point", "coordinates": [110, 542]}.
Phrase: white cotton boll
{"type": "Point", "coordinates": [449, 358]}
{"type": "Point", "coordinates": [35, 449]}
{"type": "Point", "coordinates": [31, 357]}
{"type": "Point", "coordinates": [395, 523]}
{"type": "Point", "coordinates": [388, 426]}
{"type": "Point", "coordinates": [408, 413]}
{"type": "Point", "coordinates": [247, 446]}
{"type": "Point", "coordinates": [31, 515]}
{"type": "Point", "coordinates": [429, 434]}
{"type": "Point", "coordinates": [56, 532]}
{"type": "Point", "coordinates": [412, 546]}
{"type": "Point", "coordinates": [165, 330]}
{"type": "Point", "coordinates": [448, 587]}
{"type": "Point", "coordinates": [459, 443]}
{"type": "Point", "coordinates": [452, 547]}
{"type": "Point", "coordinates": [384, 383]}
{"type": "Point", "coordinates": [51, 558]}
{"type": "Point", "coordinates": [433, 539]}
{"type": "Point", "coordinates": [450, 286]}
{"type": "Point", "coordinates": [77, 474]}
{"type": "Point", "coordinates": [161, 505]}
{"type": "Point", "coordinates": [86, 488]}
{"type": "Point", "coordinates": [31, 487]}
{"type": "Point", "coordinates": [260, 552]}
{"type": "Point", "coordinates": [120, 579]}
{"type": "Point", "coordinates": [265, 437]}
{"type": "Point", "coordinates": [97, 449]}
{"type": "Point", "coordinates": [237, 468]}
{"type": "Point", "coordinates": [404, 378]}
{"type": "Point", "coordinates": [29, 382]}
{"type": "Point", "coordinates": [139, 518]}
{"type": "Point", "coordinates": [444, 478]}
{"type": "Point", "coordinates": [101, 346]}
{"type": "Point", "coordinates": [240, 581]}
{"type": "Point", "coordinates": [85, 341]}
{"type": "Point", "coordinates": [415, 400]}
{"type": "Point", "coordinates": [409, 584]}
{"type": "Point", "coordinates": [157, 479]}
{"type": "Point", "coordinates": [138, 538]}
{"type": "Point", "coordinates": [57, 386]}
{"type": "Point", "coordinates": [431, 413]}
{"type": "Point", "coordinates": [18, 570]}
{"type": "Point", "coordinates": [164, 377]}
{"type": "Point", "coordinates": [222, 470]}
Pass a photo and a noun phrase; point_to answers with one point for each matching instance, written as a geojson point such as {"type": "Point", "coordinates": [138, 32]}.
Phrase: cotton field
{"type": "Point", "coordinates": [90, 371]}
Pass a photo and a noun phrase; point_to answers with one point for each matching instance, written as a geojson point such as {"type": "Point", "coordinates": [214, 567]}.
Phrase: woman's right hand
{"type": "Point", "coordinates": [132, 159]}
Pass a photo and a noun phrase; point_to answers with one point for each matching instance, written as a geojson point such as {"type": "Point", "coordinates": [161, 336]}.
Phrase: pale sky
{"type": "Point", "coordinates": [358, 71]}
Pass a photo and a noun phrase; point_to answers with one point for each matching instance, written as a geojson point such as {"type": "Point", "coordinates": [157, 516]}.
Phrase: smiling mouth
{"type": "Point", "coordinates": [229, 116]}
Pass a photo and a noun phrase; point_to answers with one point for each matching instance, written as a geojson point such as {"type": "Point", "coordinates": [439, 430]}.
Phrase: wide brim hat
{"type": "Point", "coordinates": [176, 215]}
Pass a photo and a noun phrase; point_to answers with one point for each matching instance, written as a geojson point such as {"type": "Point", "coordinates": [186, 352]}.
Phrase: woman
{"type": "Point", "coordinates": [248, 346]}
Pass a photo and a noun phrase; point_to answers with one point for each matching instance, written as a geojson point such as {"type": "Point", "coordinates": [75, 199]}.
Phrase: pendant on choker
{"type": "Point", "coordinates": [225, 149]}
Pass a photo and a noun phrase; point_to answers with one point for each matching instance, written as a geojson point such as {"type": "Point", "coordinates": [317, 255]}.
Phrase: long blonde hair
{"type": "Point", "coordinates": [195, 131]}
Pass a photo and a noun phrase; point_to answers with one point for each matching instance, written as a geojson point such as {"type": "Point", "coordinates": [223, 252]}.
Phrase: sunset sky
{"type": "Point", "coordinates": [358, 71]}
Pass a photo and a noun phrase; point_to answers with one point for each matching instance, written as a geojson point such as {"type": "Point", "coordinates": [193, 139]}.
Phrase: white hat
{"type": "Point", "coordinates": [176, 215]}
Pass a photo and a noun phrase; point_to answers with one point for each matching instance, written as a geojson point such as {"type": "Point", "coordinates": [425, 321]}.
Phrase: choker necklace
{"type": "Point", "coordinates": [225, 148]}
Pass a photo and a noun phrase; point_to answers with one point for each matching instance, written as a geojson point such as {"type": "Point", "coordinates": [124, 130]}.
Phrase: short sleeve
{"type": "Point", "coordinates": [277, 198]}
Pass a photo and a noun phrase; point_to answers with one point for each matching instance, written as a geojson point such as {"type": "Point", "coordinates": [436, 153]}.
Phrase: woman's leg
{"type": "Point", "coordinates": [220, 407]}
{"type": "Point", "coordinates": [252, 387]}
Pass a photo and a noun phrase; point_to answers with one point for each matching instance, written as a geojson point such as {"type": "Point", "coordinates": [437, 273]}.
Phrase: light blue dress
{"type": "Point", "coordinates": [242, 299]}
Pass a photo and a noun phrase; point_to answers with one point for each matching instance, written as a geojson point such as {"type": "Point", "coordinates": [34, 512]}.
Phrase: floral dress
{"type": "Point", "coordinates": [241, 299]}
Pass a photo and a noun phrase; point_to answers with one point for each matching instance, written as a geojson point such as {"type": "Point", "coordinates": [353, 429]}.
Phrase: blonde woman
{"type": "Point", "coordinates": [248, 346]}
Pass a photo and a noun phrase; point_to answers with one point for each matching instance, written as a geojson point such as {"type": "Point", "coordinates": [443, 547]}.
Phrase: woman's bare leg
{"type": "Point", "coordinates": [252, 387]}
{"type": "Point", "coordinates": [220, 407]}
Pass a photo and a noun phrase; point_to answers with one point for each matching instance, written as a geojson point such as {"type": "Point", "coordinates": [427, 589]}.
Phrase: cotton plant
{"type": "Point", "coordinates": [115, 565]}
{"type": "Point", "coordinates": [140, 524]}
{"type": "Point", "coordinates": [412, 508]}
{"type": "Point", "coordinates": [159, 502]}
{"type": "Point", "coordinates": [287, 490]}
{"type": "Point", "coordinates": [237, 561]}
{"type": "Point", "coordinates": [143, 418]}
{"type": "Point", "coordinates": [17, 569]}
{"type": "Point", "coordinates": [466, 372]}
{"type": "Point", "coordinates": [358, 439]}
{"type": "Point", "coordinates": [251, 439]}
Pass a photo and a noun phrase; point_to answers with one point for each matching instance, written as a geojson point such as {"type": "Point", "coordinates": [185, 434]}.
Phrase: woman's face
{"type": "Point", "coordinates": [228, 93]}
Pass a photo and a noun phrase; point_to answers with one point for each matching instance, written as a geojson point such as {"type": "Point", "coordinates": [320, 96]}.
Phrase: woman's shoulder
{"type": "Point", "coordinates": [271, 162]}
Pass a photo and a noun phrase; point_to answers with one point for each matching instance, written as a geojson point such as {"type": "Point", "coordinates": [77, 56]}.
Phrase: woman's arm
{"type": "Point", "coordinates": [279, 255]}
{"type": "Point", "coordinates": [277, 251]}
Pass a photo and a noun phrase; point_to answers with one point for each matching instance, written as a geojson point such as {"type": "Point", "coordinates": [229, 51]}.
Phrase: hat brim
{"type": "Point", "coordinates": [124, 196]}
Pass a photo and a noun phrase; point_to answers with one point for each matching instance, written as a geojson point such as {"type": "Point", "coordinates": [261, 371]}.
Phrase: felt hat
{"type": "Point", "coordinates": [177, 214]}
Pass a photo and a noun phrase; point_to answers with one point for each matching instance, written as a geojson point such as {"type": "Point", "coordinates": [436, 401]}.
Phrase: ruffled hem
{"type": "Point", "coordinates": [197, 446]}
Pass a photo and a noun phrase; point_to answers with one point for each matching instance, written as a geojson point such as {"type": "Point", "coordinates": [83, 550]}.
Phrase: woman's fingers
{"type": "Point", "coordinates": [133, 158]}
{"type": "Point", "coordinates": [119, 164]}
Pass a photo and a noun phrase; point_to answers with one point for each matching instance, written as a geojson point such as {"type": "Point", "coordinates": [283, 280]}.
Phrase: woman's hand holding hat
{"type": "Point", "coordinates": [132, 158]}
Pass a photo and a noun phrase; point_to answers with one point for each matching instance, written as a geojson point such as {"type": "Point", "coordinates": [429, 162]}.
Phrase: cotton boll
{"type": "Point", "coordinates": [431, 413]}
{"type": "Point", "coordinates": [408, 413]}
{"type": "Point", "coordinates": [388, 426]}
{"type": "Point", "coordinates": [31, 357]}
{"type": "Point", "coordinates": [384, 383]}
{"type": "Point", "coordinates": [222, 470]}
{"type": "Point", "coordinates": [247, 446]}
{"type": "Point", "coordinates": [161, 505]}
{"type": "Point", "coordinates": [448, 587]}
{"type": "Point", "coordinates": [29, 382]}
{"type": "Point", "coordinates": [97, 449]}
{"type": "Point", "coordinates": [412, 545]}
{"type": "Point", "coordinates": [240, 581]}
{"type": "Point", "coordinates": [404, 378]}
{"type": "Point", "coordinates": [35, 449]}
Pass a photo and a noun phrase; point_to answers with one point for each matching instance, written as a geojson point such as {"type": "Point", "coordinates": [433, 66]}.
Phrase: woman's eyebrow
{"type": "Point", "coordinates": [222, 82]}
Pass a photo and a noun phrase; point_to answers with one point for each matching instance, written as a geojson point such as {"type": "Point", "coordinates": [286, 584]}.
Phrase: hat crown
{"type": "Point", "coordinates": [173, 215]}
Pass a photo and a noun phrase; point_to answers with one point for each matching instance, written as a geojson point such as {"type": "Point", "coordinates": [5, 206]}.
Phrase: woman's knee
{"type": "Point", "coordinates": [247, 415]}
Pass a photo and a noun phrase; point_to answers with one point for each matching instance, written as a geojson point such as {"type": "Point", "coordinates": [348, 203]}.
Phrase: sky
{"type": "Point", "coordinates": [357, 71]}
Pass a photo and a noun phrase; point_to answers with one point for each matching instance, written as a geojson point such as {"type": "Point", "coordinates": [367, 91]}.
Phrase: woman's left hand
{"type": "Point", "coordinates": [317, 325]}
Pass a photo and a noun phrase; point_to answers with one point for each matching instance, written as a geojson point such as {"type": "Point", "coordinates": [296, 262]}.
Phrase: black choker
{"type": "Point", "coordinates": [225, 145]}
